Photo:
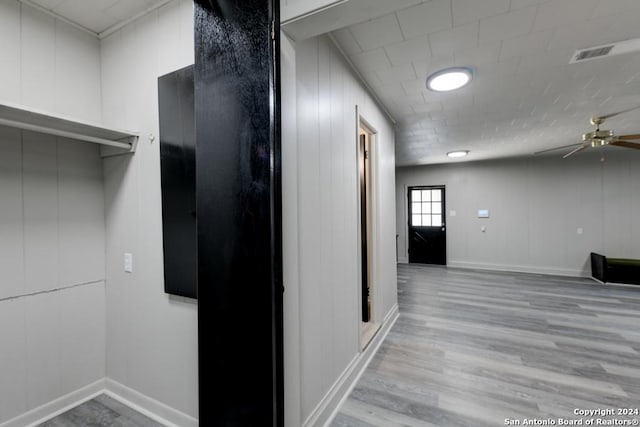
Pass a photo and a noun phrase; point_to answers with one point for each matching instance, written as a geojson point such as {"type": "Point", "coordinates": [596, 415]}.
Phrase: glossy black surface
{"type": "Point", "coordinates": [428, 245]}
{"type": "Point", "coordinates": [364, 259]}
{"type": "Point", "coordinates": [178, 176]}
{"type": "Point", "coordinates": [238, 208]}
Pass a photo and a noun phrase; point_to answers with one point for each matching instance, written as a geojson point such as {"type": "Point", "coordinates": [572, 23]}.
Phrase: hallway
{"type": "Point", "coordinates": [477, 348]}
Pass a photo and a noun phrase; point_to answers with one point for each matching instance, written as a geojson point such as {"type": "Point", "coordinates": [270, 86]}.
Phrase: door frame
{"type": "Point", "coordinates": [407, 212]}
{"type": "Point", "coordinates": [372, 237]}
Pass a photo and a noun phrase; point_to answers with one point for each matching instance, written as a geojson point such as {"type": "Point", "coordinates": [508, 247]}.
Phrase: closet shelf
{"type": "Point", "coordinates": [37, 121]}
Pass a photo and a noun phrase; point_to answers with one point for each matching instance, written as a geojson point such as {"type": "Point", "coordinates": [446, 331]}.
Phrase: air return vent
{"type": "Point", "coordinates": [595, 52]}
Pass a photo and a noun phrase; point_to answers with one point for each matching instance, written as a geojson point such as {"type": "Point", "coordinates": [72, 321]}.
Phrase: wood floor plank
{"type": "Point", "coordinates": [474, 347]}
{"type": "Point", "coordinates": [102, 411]}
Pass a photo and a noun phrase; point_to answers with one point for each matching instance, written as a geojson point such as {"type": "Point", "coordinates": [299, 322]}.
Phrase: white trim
{"type": "Point", "coordinates": [59, 17]}
{"type": "Point", "coordinates": [101, 35]}
{"type": "Point", "coordinates": [135, 400]}
{"type": "Point", "coordinates": [361, 79]}
{"type": "Point", "coordinates": [148, 406]}
{"type": "Point", "coordinates": [112, 29]}
{"type": "Point", "coordinates": [330, 404]}
{"type": "Point", "coordinates": [56, 407]}
{"type": "Point", "coordinates": [552, 271]}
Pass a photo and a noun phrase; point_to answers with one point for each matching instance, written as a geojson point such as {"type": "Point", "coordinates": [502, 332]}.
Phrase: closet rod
{"type": "Point", "coordinates": [65, 134]}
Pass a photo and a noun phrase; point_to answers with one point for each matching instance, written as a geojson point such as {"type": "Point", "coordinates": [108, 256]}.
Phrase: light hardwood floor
{"type": "Point", "coordinates": [102, 411]}
{"type": "Point", "coordinates": [476, 348]}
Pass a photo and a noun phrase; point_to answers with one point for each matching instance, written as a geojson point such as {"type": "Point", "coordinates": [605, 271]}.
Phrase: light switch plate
{"type": "Point", "coordinates": [453, 213]}
{"type": "Point", "coordinates": [128, 262]}
{"type": "Point", "coordinates": [580, 230]}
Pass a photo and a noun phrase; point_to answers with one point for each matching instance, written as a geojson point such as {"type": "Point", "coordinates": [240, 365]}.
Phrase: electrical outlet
{"type": "Point", "coordinates": [128, 262]}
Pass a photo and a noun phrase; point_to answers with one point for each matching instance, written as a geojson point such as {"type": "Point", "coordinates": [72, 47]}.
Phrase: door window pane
{"type": "Point", "coordinates": [427, 207]}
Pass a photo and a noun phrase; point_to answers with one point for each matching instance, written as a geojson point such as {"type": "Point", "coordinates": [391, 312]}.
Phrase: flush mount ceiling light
{"type": "Point", "coordinates": [449, 79]}
{"type": "Point", "coordinates": [455, 154]}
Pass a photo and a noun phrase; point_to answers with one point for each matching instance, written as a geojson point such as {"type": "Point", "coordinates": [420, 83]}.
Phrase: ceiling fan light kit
{"type": "Point", "coordinates": [600, 138]}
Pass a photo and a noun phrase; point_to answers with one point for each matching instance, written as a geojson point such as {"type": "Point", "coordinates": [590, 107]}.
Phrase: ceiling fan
{"type": "Point", "coordinates": [600, 138]}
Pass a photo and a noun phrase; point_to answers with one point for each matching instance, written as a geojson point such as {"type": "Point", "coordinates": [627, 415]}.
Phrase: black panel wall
{"type": "Point", "coordinates": [238, 210]}
{"type": "Point", "coordinates": [178, 176]}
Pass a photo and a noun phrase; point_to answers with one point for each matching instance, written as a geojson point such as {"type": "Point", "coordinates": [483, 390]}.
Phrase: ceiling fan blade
{"type": "Point", "coordinates": [626, 144]}
{"type": "Point", "coordinates": [577, 150]}
{"type": "Point", "coordinates": [608, 116]}
{"type": "Point", "coordinates": [557, 148]}
{"type": "Point", "coordinates": [636, 136]}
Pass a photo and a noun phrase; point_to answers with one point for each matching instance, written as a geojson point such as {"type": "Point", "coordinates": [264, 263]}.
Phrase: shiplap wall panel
{"type": "Point", "coordinates": [11, 232]}
{"type": "Point", "coordinates": [13, 365]}
{"type": "Point", "coordinates": [62, 326]}
{"type": "Point", "coordinates": [80, 213]}
{"type": "Point", "coordinates": [81, 341]}
{"type": "Point", "coordinates": [38, 57]}
{"type": "Point", "coordinates": [51, 216]}
{"type": "Point", "coordinates": [536, 206]}
{"type": "Point", "coordinates": [47, 64]}
{"type": "Point", "coordinates": [10, 48]}
{"type": "Point", "coordinates": [64, 335]}
{"type": "Point", "coordinates": [314, 360]}
{"type": "Point", "coordinates": [42, 332]}
{"type": "Point", "coordinates": [40, 199]}
{"type": "Point", "coordinates": [77, 74]}
{"type": "Point", "coordinates": [328, 215]}
{"type": "Point", "coordinates": [147, 330]}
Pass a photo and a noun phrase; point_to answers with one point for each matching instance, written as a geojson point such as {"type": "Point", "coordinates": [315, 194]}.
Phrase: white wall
{"type": "Point", "coordinates": [151, 337]}
{"type": "Point", "coordinates": [536, 205]}
{"type": "Point", "coordinates": [52, 291]}
{"type": "Point", "coordinates": [321, 221]}
{"type": "Point", "coordinates": [291, 9]}
{"type": "Point", "coordinates": [48, 64]}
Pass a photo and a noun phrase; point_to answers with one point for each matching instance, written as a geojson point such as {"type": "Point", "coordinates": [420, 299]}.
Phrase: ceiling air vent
{"type": "Point", "coordinates": [587, 54]}
{"type": "Point", "coordinates": [593, 53]}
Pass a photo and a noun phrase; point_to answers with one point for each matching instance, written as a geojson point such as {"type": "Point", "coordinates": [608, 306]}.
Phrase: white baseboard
{"type": "Point", "coordinates": [328, 407]}
{"type": "Point", "coordinates": [56, 407]}
{"type": "Point", "coordinates": [148, 406]}
{"type": "Point", "coordinates": [553, 271]}
{"type": "Point", "coordinates": [152, 408]}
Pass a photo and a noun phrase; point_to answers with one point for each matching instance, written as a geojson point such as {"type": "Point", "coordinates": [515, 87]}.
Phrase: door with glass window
{"type": "Point", "coordinates": [427, 228]}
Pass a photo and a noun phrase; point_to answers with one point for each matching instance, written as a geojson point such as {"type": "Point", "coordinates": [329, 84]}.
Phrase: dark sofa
{"type": "Point", "coordinates": [615, 270]}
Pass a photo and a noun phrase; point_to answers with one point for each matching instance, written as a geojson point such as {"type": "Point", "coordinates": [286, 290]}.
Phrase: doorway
{"type": "Point", "coordinates": [366, 165]}
{"type": "Point", "coordinates": [427, 228]}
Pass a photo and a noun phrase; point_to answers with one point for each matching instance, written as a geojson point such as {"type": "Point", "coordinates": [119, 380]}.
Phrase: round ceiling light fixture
{"type": "Point", "coordinates": [449, 79]}
{"type": "Point", "coordinates": [456, 154]}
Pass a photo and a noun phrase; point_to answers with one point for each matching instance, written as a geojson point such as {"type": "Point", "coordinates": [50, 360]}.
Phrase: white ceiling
{"type": "Point", "coordinates": [96, 16]}
{"type": "Point", "coordinates": [525, 97]}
